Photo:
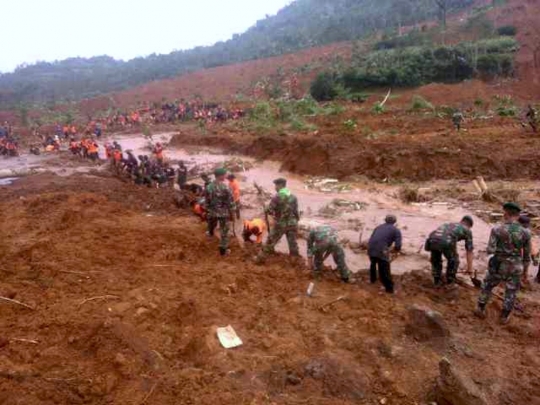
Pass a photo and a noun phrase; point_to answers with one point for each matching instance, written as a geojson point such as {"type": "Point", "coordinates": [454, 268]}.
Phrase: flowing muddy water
{"type": "Point", "coordinates": [377, 200]}
{"type": "Point", "coordinates": [415, 222]}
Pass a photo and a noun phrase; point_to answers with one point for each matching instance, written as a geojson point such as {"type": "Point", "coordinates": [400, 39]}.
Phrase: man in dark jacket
{"type": "Point", "coordinates": [382, 239]}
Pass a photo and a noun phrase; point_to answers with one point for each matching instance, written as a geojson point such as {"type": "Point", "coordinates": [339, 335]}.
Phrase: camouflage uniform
{"type": "Point", "coordinates": [322, 241]}
{"type": "Point", "coordinates": [220, 206]}
{"type": "Point", "coordinates": [510, 245]}
{"type": "Point", "coordinates": [532, 117]}
{"type": "Point", "coordinates": [443, 242]}
{"type": "Point", "coordinates": [284, 208]}
{"type": "Point", "coordinates": [458, 119]}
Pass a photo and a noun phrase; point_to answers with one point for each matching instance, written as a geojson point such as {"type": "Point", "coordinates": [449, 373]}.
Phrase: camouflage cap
{"type": "Point", "coordinates": [524, 220]}
{"type": "Point", "coordinates": [220, 171]}
{"type": "Point", "coordinates": [468, 219]}
{"type": "Point", "coordinates": [512, 207]}
{"type": "Point", "coordinates": [280, 182]}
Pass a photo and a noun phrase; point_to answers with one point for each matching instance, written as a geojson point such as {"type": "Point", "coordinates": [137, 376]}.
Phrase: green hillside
{"type": "Point", "coordinates": [302, 24]}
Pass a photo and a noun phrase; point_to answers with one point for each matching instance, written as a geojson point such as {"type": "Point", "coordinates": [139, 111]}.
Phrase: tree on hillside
{"type": "Point", "coordinates": [302, 24]}
{"type": "Point", "coordinates": [443, 10]}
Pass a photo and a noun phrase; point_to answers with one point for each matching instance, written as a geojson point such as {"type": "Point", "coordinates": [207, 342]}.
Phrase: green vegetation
{"type": "Point", "coordinates": [507, 30]}
{"type": "Point", "coordinates": [302, 24]}
{"type": "Point", "coordinates": [275, 116]}
{"type": "Point", "coordinates": [506, 106]}
{"type": "Point", "coordinates": [350, 124]}
{"type": "Point", "coordinates": [418, 65]}
{"type": "Point", "coordinates": [419, 103]}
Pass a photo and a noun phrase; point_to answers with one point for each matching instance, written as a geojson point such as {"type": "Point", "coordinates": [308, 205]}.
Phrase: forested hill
{"type": "Point", "coordinates": [302, 24]}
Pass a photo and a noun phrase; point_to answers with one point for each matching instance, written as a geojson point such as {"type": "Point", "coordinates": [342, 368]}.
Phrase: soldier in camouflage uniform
{"type": "Point", "coordinates": [510, 245]}
{"type": "Point", "coordinates": [220, 208]}
{"type": "Point", "coordinates": [532, 118]}
{"type": "Point", "coordinates": [322, 242]}
{"type": "Point", "coordinates": [284, 208]}
{"type": "Point", "coordinates": [457, 120]}
{"type": "Point", "coordinates": [443, 242]}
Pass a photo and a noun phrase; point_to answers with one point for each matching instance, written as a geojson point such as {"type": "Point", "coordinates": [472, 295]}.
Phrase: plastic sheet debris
{"type": "Point", "coordinates": [228, 338]}
{"type": "Point", "coordinates": [340, 206]}
{"type": "Point", "coordinates": [327, 185]}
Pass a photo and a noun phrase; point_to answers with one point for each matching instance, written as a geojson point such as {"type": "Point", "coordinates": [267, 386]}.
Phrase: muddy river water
{"type": "Point", "coordinates": [374, 202]}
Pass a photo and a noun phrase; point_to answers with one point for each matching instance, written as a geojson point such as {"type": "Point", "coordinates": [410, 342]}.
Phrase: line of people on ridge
{"type": "Point", "coordinates": [509, 243]}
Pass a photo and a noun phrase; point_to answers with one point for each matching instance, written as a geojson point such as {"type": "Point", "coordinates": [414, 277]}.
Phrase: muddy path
{"type": "Point", "coordinates": [126, 293]}
{"type": "Point", "coordinates": [353, 208]}
{"type": "Point", "coordinates": [316, 204]}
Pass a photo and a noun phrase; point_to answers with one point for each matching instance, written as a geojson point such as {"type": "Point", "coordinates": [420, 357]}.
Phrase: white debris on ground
{"type": "Point", "coordinates": [340, 206]}
{"type": "Point", "coordinates": [327, 185]}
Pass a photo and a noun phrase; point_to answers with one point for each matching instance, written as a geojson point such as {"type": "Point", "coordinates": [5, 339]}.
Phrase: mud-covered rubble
{"type": "Point", "coordinates": [327, 185]}
{"type": "Point", "coordinates": [155, 339]}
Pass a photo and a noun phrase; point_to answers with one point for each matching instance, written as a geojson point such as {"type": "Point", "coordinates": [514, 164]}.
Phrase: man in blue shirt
{"type": "Point", "coordinates": [382, 239]}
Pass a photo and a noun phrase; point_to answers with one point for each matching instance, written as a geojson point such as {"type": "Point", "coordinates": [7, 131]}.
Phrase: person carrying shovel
{"type": "Point", "coordinates": [510, 245]}
{"type": "Point", "coordinates": [323, 242]}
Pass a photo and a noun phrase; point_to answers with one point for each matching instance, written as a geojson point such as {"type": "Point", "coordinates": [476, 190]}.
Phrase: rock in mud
{"type": "Point", "coordinates": [454, 388]}
{"type": "Point", "coordinates": [339, 379]}
{"type": "Point", "coordinates": [426, 324]}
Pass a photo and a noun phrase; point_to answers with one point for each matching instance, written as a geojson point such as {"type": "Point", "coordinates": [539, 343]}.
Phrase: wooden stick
{"type": "Point", "coordinates": [341, 298]}
{"type": "Point", "coordinates": [101, 297]}
{"type": "Point", "coordinates": [35, 342]}
{"type": "Point", "coordinates": [22, 304]}
{"type": "Point", "coordinates": [77, 272]}
{"type": "Point", "coordinates": [150, 393]}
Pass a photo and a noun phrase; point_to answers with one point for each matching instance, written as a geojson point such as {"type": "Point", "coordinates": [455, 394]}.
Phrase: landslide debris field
{"type": "Point", "coordinates": [126, 292]}
{"type": "Point", "coordinates": [397, 145]}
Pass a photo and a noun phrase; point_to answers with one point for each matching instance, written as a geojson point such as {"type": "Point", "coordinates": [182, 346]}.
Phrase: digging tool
{"type": "Point", "coordinates": [517, 306]}
{"type": "Point", "coordinates": [476, 282]}
{"type": "Point", "coordinates": [260, 192]}
{"type": "Point", "coordinates": [324, 306]}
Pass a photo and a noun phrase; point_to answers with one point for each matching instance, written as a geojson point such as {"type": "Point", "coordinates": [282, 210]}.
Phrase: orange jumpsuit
{"type": "Point", "coordinates": [255, 227]}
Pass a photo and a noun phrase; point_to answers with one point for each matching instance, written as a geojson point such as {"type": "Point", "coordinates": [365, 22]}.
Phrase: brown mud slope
{"type": "Point", "coordinates": [406, 147]}
{"type": "Point", "coordinates": [127, 294]}
{"type": "Point", "coordinates": [222, 83]}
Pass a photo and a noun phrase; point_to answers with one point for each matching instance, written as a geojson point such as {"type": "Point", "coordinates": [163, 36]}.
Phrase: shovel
{"type": "Point", "coordinates": [476, 282]}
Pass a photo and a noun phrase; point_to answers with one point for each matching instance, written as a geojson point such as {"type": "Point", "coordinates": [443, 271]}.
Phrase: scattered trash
{"type": "Point", "coordinates": [327, 185]}
{"type": "Point", "coordinates": [228, 337]}
{"type": "Point", "coordinates": [237, 165]}
{"type": "Point", "coordinates": [7, 181]}
{"type": "Point", "coordinates": [341, 206]}
{"type": "Point", "coordinates": [310, 289]}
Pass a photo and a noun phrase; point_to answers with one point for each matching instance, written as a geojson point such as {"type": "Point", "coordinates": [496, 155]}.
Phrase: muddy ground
{"type": "Point", "coordinates": [395, 147]}
{"type": "Point", "coordinates": [126, 293]}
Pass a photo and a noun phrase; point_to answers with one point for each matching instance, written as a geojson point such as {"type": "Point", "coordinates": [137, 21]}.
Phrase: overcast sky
{"type": "Point", "coordinates": [33, 30]}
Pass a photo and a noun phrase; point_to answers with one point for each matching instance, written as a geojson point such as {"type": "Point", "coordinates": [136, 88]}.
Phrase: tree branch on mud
{"type": "Point", "coordinates": [22, 304]}
{"type": "Point", "coordinates": [101, 297]}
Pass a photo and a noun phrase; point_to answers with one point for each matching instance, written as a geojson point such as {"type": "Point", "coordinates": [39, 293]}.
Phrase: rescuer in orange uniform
{"type": "Point", "coordinates": [235, 188]}
{"type": "Point", "coordinates": [255, 227]}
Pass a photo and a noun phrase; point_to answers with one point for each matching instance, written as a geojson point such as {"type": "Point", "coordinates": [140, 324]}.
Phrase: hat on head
{"type": "Point", "coordinates": [280, 182]}
{"type": "Point", "coordinates": [524, 220]}
{"type": "Point", "coordinates": [220, 172]}
{"type": "Point", "coordinates": [468, 218]}
{"type": "Point", "coordinates": [390, 219]}
{"type": "Point", "coordinates": [512, 208]}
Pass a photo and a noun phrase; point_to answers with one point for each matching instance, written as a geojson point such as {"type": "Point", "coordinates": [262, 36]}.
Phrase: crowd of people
{"type": "Point", "coordinates": [510, 244]}
{"type": "Point", "coordinates": [8, 144]}
{"type": "Point", "coordinates": [169, 113]}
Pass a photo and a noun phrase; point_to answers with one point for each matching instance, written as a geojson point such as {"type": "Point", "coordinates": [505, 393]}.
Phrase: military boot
{"type": "Point", "coordinates": [505, 316]}
{"type": "Point", "coordinates": [480, 311]}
